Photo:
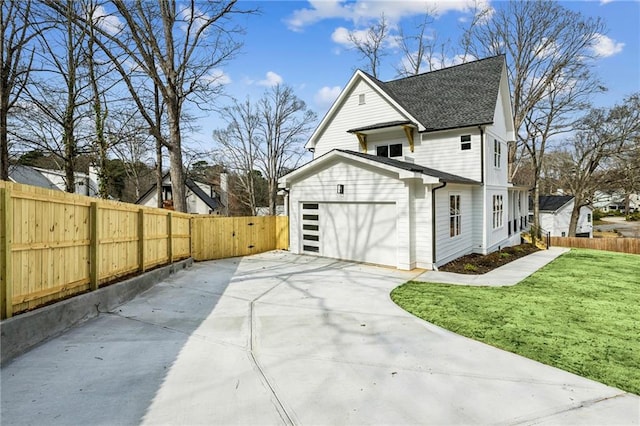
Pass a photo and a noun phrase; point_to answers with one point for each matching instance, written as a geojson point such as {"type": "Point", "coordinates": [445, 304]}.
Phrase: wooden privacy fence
{"type": "Point", "coordinates": [54, 245]}
{"type": "Point", "coordinates": [221, 237]}
{"type": "Point", "coordinates": [621, 245]}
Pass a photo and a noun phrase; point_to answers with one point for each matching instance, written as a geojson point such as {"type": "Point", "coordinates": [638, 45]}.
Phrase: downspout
{"type": "Point", "coordinates": [484, 191]}
{"type": "Point", "coordinates": [481, 154]}
{"type": "Point", "coordinates": [433, 224]}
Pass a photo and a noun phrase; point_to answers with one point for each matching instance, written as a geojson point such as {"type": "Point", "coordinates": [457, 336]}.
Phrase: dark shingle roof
{"type": "Point", "coordinates": [190, 183]}
{"type": "Point", "coordinates": [551, 203]}
{"type": "Point", "coordinates": [443, 176]}
{"type": "Point", "coordinates": [29, 176]}
{"type": "Point", "coordinates": [211, 202]}
{"type": "Point", "coordinates": [460, 96]}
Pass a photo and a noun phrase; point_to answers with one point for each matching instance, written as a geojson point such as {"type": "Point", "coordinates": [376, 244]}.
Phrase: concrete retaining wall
{"type": "Point", "coordinates": [20, 333]}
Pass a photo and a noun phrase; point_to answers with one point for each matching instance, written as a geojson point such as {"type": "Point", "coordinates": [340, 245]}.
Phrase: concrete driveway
{"type": "Point", "coordinates": [283, 339]}
{"type": "Point", "coordinates": [626, 229]}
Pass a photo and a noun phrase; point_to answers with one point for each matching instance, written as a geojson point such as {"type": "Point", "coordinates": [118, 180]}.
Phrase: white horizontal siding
{"type": "Point", "coordinates": [442, 151]}
{"type": "Point", "coordinates": [495, 175]}
{"type": "Point", "coordinates": [447, 247]}
{"type": "Point", "coordinates": [361, 185]}
{"type": "Point", "coordinates": [351, 115]}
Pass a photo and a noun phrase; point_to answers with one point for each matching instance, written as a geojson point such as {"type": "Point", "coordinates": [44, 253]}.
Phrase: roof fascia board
{"type": "Point", "coordinates": [505, 93]}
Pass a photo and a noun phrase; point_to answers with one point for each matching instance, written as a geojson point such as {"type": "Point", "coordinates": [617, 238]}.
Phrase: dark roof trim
{"type": "Point", "coordinates": [190, 183]}
{"type": "Point", "coordinates": [211, 202]}
{"type": "Point", "coordinates": [403, 165]}
{"type": "Point", "coordinates": [552, 203]}
{"type": "Point", "coordinates": [385, 125]}
{"type": "Point", "coordinates": [433, 130]}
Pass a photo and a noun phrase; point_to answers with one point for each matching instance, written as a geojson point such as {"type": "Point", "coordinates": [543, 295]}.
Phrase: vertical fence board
{"type": "Point", "coordinates": [94, 247]}
{"type": "Point", "coordinates": [7, 264]}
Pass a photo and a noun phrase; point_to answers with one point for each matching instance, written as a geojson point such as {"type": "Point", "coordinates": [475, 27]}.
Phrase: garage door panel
{"type": "Point", "coordinates": [364, 232]}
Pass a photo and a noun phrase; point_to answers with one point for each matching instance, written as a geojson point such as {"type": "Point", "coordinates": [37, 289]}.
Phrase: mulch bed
{"type": "Point", "coordinates": [475, 264]}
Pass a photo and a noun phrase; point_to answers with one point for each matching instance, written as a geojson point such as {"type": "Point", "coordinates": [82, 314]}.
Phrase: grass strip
{"type": "Point", "coordinates": [580, 313]}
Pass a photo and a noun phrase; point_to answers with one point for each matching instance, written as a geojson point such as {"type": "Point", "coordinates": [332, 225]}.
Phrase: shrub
{"type": "Point", "coordinates": [634, 217]}
{"type": "Point", "coordinates": [470, 267]}
{"type": "Point", "coordinates": [504, 255]}
{"type": "Point", "coordinates": [598, 214]}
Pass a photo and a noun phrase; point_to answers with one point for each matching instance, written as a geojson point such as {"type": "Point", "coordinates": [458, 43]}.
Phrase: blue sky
{"type": "Point", "coordinates": [300, 43]}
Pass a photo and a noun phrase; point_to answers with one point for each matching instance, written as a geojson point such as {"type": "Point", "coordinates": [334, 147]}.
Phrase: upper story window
{"type": "Point", "coordinates": [454, 215]}
{"type": "Point", "coordinates": [497, 153]}
{"type": "Point", "coordinates": [393, 150]}
{"type": "Point", "coordinates": [361, 99]}
{"type": "Point", "coordinates": [465, 142]}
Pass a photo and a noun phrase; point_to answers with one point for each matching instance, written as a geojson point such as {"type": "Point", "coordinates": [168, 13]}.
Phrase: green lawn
{"type": "Point", "coordinates": [580, 313]}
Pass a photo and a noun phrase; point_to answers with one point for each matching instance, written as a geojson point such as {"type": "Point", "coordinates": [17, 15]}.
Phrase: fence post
{"type": "Point", "coordinates": [191, 239]}
{"type": "Point", "coordinates": [170, 236]}
{"type": "Point", "coordinates": [7, 261]}
{"type": "Point", "coordinates": [141, 240]}
{"type": "Point", "coordinates": [94, 247]}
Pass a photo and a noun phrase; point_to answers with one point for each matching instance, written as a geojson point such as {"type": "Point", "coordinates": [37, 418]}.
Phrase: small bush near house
{"type": "Point", "coordinates": [480, 264]}
{"type": "Point", "coordinates": [469, 267]}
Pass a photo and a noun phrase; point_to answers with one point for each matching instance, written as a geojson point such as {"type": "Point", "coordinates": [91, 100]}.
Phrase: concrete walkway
{"type": "Point", "coordinates": [510, 274]}
{"type": "Point", "coordinates": [283, 339]}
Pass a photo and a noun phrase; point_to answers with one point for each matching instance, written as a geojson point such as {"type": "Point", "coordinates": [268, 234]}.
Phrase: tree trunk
{"type": "Point", "coordinates": [4, 145]}
{"type": "Point", "coordinates": [175, 156]}
{"type": "Point", "coordinates": [573, 222]}
{"type": "Point", "coordinates": [177, 179]}
{"type": "Point", "coordinates": [159, 173]}
{"type": "Point", "coordinates": [273, 196]}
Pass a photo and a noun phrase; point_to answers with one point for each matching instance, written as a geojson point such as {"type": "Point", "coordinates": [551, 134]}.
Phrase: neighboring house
{"type": "Point", "coordinates": [52, 179]}
{"type": "Point", "coordinates": [411, 173]}
{"type": "Point", "coordinates": [615, 202]}
{"type": "Point", "coordinates": [555, 215]}
{"type": "Point", "coordinates": [201, 197]}
{"type": "Point", "coordinates": [264, 211]}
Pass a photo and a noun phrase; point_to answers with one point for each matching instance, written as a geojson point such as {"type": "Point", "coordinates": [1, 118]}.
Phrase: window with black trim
{"type": "Point", "coordinates": [497, 211]}
{"type": "Point", "coordinates": [393, 150]}
{"type": "Point", "coordinates": [465, 142]}
{"type": "Point", "coordinates": [497, 153]}
{"type": "Point", "coordinates": [454, 215]}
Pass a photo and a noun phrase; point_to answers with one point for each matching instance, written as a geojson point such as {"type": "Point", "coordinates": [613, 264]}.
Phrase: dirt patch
{"type": "Point", "coordinates": [476, 264]}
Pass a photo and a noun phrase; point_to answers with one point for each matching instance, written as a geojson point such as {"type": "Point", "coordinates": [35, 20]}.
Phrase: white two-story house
{"type": "Point", "coordinates": [410, 173]}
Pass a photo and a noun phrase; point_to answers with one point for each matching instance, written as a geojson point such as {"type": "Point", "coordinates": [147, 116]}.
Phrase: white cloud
{"type": "Point", "coordinates": [107, 22]}
{"type": "Point", "coordinates": [606, 46]}
{"type": "Point", "coordinates": [326, 96]}
{"type": "Point", "coordinates": [218, 76]}
{"type": "Point", "coordinates": [271, 79]}
{"type": "Point", "coordinates": [361, 12]}
{"type": "Point", "coordinates": [341, 36]}
{"type": "Point", "coordinates": [605, 1]}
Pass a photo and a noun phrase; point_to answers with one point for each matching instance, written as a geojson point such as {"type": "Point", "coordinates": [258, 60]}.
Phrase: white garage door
{"type": "Point", "coordinates": [363, 232]}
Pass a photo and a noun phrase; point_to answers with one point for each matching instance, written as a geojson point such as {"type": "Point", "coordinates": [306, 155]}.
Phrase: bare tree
{"type": "Point", "coordinates": [262, 141]}
{"type": "Point", "coordinates": [239, 147]}
{"type": "Point", "coordinates": [178, 47]}
{"type": "Point", "coordinates": [421, 50]}
{"type": "Point", "coordinates": [16, 32]}
{"type": "Point", "coordinates": [550, 58]}
{"type": "Point", "coordinates": [603, 135]}
{"type": "Point", "coordinates": [58, 96]}
{"type": "Point", "coordinates": [371, 45]}
{"type": "Point", "coordinates": [285, 121]}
